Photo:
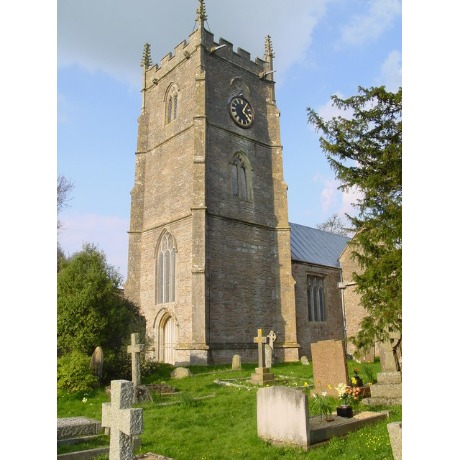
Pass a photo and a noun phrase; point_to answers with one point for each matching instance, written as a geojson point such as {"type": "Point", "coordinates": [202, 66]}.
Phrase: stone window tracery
{"type": "Point", "coordinates": [316, 299]}
{"type": "Point", "coordinates": [166, 270]}
{"type": "Point", "coordinates": [172, 103]}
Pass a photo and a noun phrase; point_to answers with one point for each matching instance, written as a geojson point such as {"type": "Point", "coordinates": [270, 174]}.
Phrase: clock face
{"type": "Point", "coordinates": [241, 112]}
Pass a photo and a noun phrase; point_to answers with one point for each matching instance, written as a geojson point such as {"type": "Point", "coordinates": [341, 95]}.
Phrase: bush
{"type": "Point", "coordinates": [74, 373]}
{"type": "Point", "coordinates": [91, 311]}
{"type": "Point", "coordinates": [117, 366]}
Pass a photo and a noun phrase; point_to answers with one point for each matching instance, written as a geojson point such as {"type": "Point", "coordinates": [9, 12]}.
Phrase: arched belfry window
{"type": "Point", "coordinates": [241, 177]}
{"type": "Point", "coordinates": [166, 269]}
{"type": "Point", "coordinates": [172, 103]}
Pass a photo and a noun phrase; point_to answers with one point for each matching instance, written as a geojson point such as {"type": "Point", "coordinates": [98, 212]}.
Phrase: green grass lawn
{"type": "Point", "coordinates": [223, 423]}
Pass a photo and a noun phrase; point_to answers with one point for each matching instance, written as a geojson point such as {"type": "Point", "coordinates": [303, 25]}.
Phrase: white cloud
{"type": "Point", "coordinates": [109, 35]}
{"type": "Point", "coordinates": [370, 26]}
{"type": "Point", "coordinates": [329, 194]}
{"type": "Point", "coordinates": [108, 233]}
{"type": "Point", "coordinates": [334, 200]}
{"type": "Point", "coordinates": [348, 198]}
{"type": "Point", "coordinates": [328, 111]}
{"type": "Point", "coordinates": [391, 71]}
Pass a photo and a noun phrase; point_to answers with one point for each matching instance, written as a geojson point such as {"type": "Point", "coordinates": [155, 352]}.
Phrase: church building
{"type": "Point", "coordinates": [212, 254]}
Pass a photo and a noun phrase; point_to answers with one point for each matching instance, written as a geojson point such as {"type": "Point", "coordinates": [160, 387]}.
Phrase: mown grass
{"type": "Point", "coordinates": [223, 423]}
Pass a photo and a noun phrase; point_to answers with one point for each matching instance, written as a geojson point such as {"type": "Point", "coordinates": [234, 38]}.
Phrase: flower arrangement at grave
{"type": "Point", "coordinates": [321, 403]}
{"type": "Point", "coordinates": [349, 395]}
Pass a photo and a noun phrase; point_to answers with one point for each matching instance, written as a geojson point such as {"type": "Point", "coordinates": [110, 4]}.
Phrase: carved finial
{"type": "Point", "coordinates": [201, 11]}
{"type": "Point", "coordinates": [268, 72]}
{"type": "Point", "coordinates": [146, 58]}
{"type": "Point", "coordinates": [269, 53]}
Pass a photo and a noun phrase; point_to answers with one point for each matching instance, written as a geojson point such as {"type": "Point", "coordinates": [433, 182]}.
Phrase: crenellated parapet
{"type": "Point", "coordinates": [223, 49]}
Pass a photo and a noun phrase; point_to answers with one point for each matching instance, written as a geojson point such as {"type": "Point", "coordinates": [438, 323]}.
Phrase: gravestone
{"type": "Point", "coordinates": [181, 373]}
{"type": "Point", "coordinates": [262, 373]}
{"type": "Point", "coordinates": [387, 356]}
{"type": "Point", "coordinates": [282, 416]}
{"type": "Point", "coordinates": [97, 361]}
{"type": "Point", "coordinates": [74, 427]}
{"type": "Point", "coordinates": [365, 356]}
{"type": "Point", "coordinates": [123, 421]}
{"type": "Point", "coordinates": [270, 349]}
{"type": "Point", "coordinates": [388, 389]}
{"type": "Point", "coordinates": [304, 360]}
{"type": "Point", "coordinates": [135, 349]}
{"type": "Point", "coordinates": [236, 363]}
{"type": "Point", "coordinates": [395, 434]}
{"type": "Point", "coordinates": [329, 366]}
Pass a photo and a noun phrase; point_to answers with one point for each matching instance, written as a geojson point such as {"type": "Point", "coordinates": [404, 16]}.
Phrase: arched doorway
{"type": "Point", "coordinates": [168, 340]}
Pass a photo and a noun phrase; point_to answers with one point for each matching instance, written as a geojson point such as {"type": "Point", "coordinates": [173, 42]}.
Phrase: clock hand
{"type": "Point", "coordinates": [248, 115]}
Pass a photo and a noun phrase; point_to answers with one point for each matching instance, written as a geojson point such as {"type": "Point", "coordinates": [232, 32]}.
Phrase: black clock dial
{"type": "Point", "coordinates": [241, 112]}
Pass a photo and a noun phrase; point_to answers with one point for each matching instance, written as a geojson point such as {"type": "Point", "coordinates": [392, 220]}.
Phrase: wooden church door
{"type": "Point", "coordinates": [169, 344]}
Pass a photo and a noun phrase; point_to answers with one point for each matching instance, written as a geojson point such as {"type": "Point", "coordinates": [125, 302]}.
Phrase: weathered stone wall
{"type": "Point", "coordinates": [354, 312]}
{"type": "Point", "coordinates": [308, 331]}
{"type": "Point", "coordinates": [162, 196]}
{"type": "Point", "coordinates": [248, 261]}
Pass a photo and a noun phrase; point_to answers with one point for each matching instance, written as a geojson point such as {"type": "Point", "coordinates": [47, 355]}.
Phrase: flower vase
{"type": "Point", "coordinates": [345, 411]}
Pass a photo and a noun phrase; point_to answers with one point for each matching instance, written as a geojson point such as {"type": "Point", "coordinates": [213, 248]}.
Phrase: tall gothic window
{"type": "Point", "coordinates": [166, 270]}
{"type": "Point", "coordinates": [172, 103]}
{"type": "Point", "coordinates": [241, 177]}
{"type": "Point", "coordinates": [316, 299]}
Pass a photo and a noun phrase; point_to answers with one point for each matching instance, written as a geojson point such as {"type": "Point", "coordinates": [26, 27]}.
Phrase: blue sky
{"type": "Point", "coordinates": [322, 47]}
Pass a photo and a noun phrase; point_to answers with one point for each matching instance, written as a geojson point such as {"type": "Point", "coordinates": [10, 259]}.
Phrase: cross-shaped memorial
{"type": "Point", "coordinates": [135, 349]}
{"type": "Point", "coordinates": [262, 373]}
{"type": "Point", "coordinates": [269, 349]}
{"type": "Point", "coordinates": [124, 421]}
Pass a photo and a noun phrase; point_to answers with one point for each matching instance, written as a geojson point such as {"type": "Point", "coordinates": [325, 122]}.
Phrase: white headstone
{"type": "Point", "coordinates": [269, 349]}
{"type": "Point", "coordinates": [282, 416]}
{"type": "Point", "coordinates": [181, 373]}
{"type": "Point", "coordinates": [123, 421]}
{"type": "Point", "coordinates": [236, 362]}
{"type": "Point", "coordinates": [304, 361]}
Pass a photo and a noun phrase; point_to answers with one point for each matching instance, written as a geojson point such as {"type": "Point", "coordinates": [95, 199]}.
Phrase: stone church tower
{"type": "Point", "coordinates": [209, 239]}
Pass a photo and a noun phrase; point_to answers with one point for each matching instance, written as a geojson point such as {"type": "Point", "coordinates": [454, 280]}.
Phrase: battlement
{"type": "Point", "coordinates": [240, 57]}
{"type": "Point", "coordinates": [223, 49]}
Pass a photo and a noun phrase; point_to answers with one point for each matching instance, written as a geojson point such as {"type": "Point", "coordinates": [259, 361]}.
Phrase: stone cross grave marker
{"type": "Point", "coordinates": [124, 422]}
{"type": "Point", "coordinates": [260, 340]}
{"type": "Point", "coordinates": [269, 349]}
{"type": "Point", "coordinates": [262, 373]}
{"type": "Point", "coordinates": [135, 349]}
{"type": "Point", "coordinates": [271, 338]}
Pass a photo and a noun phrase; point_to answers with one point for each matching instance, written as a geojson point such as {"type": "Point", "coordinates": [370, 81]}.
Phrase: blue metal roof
{"type": "Point", "coordinates": [316, 246]}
